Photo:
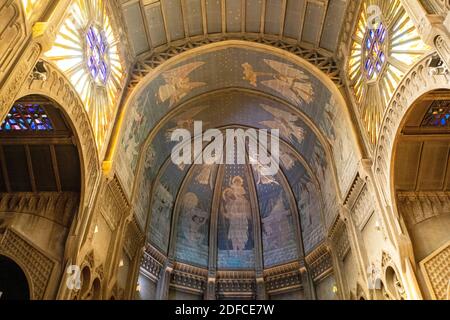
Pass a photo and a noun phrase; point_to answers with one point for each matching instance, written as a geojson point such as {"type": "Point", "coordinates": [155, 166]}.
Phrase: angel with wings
{"type": "Point", "coordinates": [259, 173]}
{"type": "Point", "coordinates": [178, 84]}
{"type": "Point", "coordinates": [285, 122]}
{"type": "Point", "coordinates": [185, 121]}
{"type": "Point", "coordinates": [290, 82]}
{"type": "Point", "coordinates": [251, 75]}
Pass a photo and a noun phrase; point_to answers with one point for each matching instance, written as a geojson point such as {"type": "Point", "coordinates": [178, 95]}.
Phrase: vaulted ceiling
{"type": "Point", "coordinates": [154, 24]}
{"type": "Point", "coordinates": [423, 153]}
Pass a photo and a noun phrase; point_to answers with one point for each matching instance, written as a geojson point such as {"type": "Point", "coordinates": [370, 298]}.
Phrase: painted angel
{"type": "Point", "coordinates": [290, 82]}
{"type": "Point", "coordinates": [285, 122]}
{"type": "Point", "coordinates": [260, 177]}
{"type": "Point", "coordinates": [287, 160]}
{"type": "Point", "coordinates": [237, 211]}
{"type": "Point", "coordinates": [196, 219]}
{"type": "Point", "coordinates": [185, 121]}
{"type": "Point", "coordinates": [178, 84]}
{"type": "Point", "coordinates": [251, 75]}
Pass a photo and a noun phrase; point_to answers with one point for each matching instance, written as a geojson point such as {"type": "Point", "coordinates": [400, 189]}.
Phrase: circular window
{"type": "Point", "coordinates": [375, 51]}
{"type": "Point", "coordinates": [97, 55]}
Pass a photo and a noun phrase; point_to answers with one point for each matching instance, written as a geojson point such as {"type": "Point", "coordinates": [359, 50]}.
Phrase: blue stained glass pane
{"type": "Point", "coordinates": [383, 36]}
{"type": "Point", "coordinates": [438, 114]}
{"type": "Point", "coordinates": [25, 118]}
{"type": "Point", "coordinates": [374, 55]}
{"type": "Point", "coordinates": [97, 55]}
{"type": "Point", "coordinates": [378, 66]}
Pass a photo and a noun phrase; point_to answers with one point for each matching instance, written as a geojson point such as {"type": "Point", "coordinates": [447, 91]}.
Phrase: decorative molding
{"type": "Point", "coordinates": [283, 278]}
{"type": "Point", "coordinates": [320, 263]}
{"type": "Point", "coordinates": [351, 18]}
{"type": "Point", "coordinates": [37, 265]}
{"type": "Point", "coordinates": [43, 204]}
{"type": "Point", "coordinates": [114, 204]}
{"type": "Point", "coordinates": [144, 66]}
{"type": "Point", "coordinates": [89, 259]}
{"type": "Point", "coordinates": [416, 83]}
{"type": "Point", "coordinates": [354, 191]}
{"type": "Point", "coordinates": [100, 272]}
{"type": "Point", "coordinates": [435, 6]}
{"type": "Point", "coordinates": [13, 27]}
{"type": "Point", "coordinates": [363, 208]}
{"type": "Point", "coordinates": [236, 284]}
{"type": "Point", "coordinates": [340, 239]}
{"type": "Point", "coordinates": [416, 207]}
{"type": "Point", "coordinates": [189, 278]}
{"type": "Point", "coordinates": [10, 88]}
{"type": "Point", "coordinates": [134, 239]}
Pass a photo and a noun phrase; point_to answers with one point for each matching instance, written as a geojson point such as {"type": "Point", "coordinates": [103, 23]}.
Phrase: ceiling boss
{"type": "Point", "coordinates": [86, 50]}
{"type": "Point", "coordinates": [385, 45]}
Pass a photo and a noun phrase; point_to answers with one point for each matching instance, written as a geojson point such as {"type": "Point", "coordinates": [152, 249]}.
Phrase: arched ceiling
{"type": "Point", "coordinates": [237, 64]}
{"type": "Point", "coordinates": [240, 84]}
{"type": "Point", "coordinates": [153, 24]}
{"type": "Point", "coordinates": [283, 211]}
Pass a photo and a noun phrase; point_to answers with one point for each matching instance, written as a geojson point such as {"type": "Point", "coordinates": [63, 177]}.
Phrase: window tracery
{"type": "Point", "coordinates": [87, 50]}
{"type": "Point", "coordinates": [385, 45]}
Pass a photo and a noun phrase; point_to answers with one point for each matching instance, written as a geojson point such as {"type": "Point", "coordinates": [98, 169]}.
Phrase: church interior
{"type": "Point", "coordinates": [93, 207]}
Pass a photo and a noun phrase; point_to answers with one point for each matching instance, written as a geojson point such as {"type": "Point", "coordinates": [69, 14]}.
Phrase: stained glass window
{"type": "Point", "coordinates": [97, 58]}
{"type": "Point", "coordinates": [380, 56]}
{"type": "Point", "coordinates": [375, 56]}
{"type": "Point", "coordinates": [87, 50]}
{"type": "Point", "coordinates": [27, 118]}
{"type": "Point", "coordinates": [438, 115]}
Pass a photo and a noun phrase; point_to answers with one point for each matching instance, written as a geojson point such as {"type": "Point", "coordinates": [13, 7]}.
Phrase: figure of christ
{"type": "Point", "coordinates": [238, 212]}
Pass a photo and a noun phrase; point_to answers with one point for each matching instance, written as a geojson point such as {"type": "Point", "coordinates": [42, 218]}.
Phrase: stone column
{"type": "Point", "coordinates": [261, 293]}
{"type": "Point", "coordinates": [162, 290]}
{"type": "Point", "coordinates": [308, 284]}
{"type": "Point", "coordinates": [210, 293]}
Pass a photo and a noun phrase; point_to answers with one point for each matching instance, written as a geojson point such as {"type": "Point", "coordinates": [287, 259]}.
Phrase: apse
{"type": "Point", "coordinates": [233, 217]}
{"type": "Point", "coordinates": [305, 94]}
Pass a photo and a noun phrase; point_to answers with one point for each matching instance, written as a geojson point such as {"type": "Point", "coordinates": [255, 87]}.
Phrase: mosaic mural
{"type": "Point", "coordinates": [192, 244]}
{"type": "Point", "coordinates": [164, 194]}
{"type": "Point", "coordinates": [235, 241]}
{"type": "Point", "coordinates": [307, 196]}
{"type": "Point", "coordinates": [278, 227]}
{"type": "Point", "coordinates": [247, 110]}
{"type": "Point", "coordinates": [305, 186]}
{"type": "Point", "coordinates": [217, 69]}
